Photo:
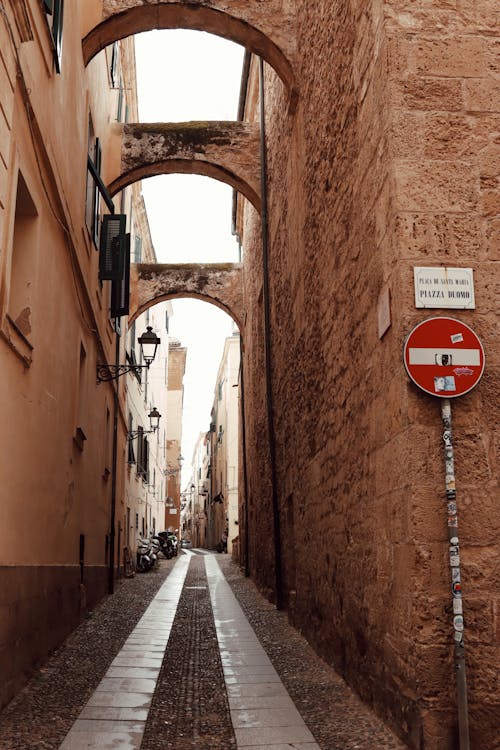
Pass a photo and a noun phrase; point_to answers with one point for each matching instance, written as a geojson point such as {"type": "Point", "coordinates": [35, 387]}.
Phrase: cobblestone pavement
{"type": "Point", "coordinates": [189, 710]}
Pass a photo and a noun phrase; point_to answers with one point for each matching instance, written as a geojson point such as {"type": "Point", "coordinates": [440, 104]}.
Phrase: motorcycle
{"type": "Point", "coordinates": [145, 555]}
{"type": "Point", "coordinates": [168, 545]}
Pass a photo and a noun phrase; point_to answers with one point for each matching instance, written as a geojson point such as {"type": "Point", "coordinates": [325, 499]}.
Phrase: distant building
{"type": "Point", "coordinates": [173, 437]}
{"type": "Point", "coordinates": [222, 508]}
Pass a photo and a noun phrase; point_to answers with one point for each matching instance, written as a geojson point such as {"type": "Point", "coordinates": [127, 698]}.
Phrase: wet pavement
{"type": "Point", "coordinates": [189, 657]}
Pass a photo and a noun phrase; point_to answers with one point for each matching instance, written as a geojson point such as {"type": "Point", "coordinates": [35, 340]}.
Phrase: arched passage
{"type": "Point", "coordinates": [217, 283]}
{"type": "Point", "coordinates": [225, 151]}
{"type": "Point", "coordinates": [263, 28]}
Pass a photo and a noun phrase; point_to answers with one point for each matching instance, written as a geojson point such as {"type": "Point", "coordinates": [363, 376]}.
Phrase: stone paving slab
{"type": "Point", "coordinates": [114, 713]}
{"type": "Point", "coordinates": [261, 690]}
{"type": "Point", "coordinates": [138, 685]}
{"type": "Point", "coordinates": [255, 702]}
{"type": "Point", "coordinates": [266, 717]}
{"type": "Point", "coordinates": [147, 672]}
{"type": "Point", "coordinates": [102, 741]}
{"type": "Point", "coordinates": [89, 726]}
{"type": "Point", "coordinates": [121, 699]}
{"type": "Point", "coordinates": [265, 736]}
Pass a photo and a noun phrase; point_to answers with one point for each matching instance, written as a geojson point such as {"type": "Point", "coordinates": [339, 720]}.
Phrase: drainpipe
{"type": "Point", "coordinates": [244, 455]}
{"type": "Point", "coordinates": [241, 114]}
{"type": "Point", "coordinates": [116, 405]}
{"type": "Point", "coordinates": [267, 343]}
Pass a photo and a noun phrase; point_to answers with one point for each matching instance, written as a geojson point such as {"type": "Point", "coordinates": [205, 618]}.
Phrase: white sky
{"type": "Point", "coordinates": [182, 76]}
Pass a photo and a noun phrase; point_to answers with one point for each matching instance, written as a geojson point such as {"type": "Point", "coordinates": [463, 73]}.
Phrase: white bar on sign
{"type": "Point", "coordinates": [421, 356]}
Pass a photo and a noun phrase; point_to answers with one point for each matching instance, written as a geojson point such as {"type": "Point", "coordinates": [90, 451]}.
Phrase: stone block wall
{"type": "Point", "coordinates": [390, 161]}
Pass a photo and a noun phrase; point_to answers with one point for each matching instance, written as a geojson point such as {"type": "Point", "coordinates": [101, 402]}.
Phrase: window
{"type": "Point", "coordinates": [137, 522]}
{"type": "Point", "coordinates": [114, 64]}
{"type": "Point", "coordinates": [131, 356]}
{"type": "Point", "coordinates": [92, 207]}
{"type": "Point", "coordinates": [120, 288]}
{"type": "Point", "coordinates": [131, 453]}
{"type": "Point", "coordinates": [137, 249]}
{"type": "Point", "coordinates": [142, 456]}
{"type": "Point", "coordinates": [54, 10]}
{"type": "Point", "coordinates": [24, 255]}
{"type": "Point", "coordinates": [119, 106]}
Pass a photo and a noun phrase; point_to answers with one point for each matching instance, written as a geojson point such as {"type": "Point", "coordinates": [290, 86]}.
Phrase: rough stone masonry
{"type": "Point", "coordinates": [391, 161]}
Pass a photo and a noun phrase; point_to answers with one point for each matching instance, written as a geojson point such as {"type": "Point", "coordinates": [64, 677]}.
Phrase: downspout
{"type": "Point", "coordinates": [240, 117]}
{"type": "Point", "coordinates": [267, 343]}
{"type": "Point", "coordinates": [244, 455]}
{"type": "Point", "coordinates": [116, 406]}
{"type": "Point", "coordinates": [245, 73]}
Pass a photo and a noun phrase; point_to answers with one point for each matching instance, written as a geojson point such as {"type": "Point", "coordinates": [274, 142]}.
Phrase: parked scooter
{"type": "Point", "coordinates": [155, 548]}
{"type": "Point", "coordinates": [173, 540]}
{"type": "Point", "coordinates": [145, 555]}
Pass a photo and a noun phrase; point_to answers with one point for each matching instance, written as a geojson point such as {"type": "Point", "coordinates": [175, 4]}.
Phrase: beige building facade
{"type": "Point", "coordinates": [222, 510]}
{"type": "Point", "coordinates": [64, 489]}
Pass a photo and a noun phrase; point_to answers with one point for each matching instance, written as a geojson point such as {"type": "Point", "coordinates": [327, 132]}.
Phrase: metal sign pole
{"type": "Point", "coordinates": [456, 582]}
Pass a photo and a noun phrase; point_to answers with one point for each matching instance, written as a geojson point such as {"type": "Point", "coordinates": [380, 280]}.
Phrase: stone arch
{"type": "Point", "coordinates": [263, 28]}
{"type": "Point", "coordinates": [225, 151]}
{"type": "Point", "coordinates": [220, 284]}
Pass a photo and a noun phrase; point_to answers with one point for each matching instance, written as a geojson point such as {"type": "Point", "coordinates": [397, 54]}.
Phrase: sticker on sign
{"type": "Point", "coordinates": [444, 357]}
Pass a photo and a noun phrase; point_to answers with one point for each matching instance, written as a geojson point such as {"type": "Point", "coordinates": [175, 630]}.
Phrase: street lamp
{"type": "Point", "coordinates": [148, 343]}
{"type": "Point", "coordinates": [154, 421]}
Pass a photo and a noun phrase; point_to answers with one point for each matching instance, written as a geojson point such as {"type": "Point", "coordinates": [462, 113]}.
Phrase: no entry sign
{"type": "Point", "coordinates": [444, 357]}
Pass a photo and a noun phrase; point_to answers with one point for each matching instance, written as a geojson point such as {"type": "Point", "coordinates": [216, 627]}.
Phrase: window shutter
{"type": "Point", "coordinates": [49, 6]}
{"type": "Point", "coordinates": [146, 460]}
{"type": "Point", "coordinates": [95, 207]}
{"type": "Point", "coordinates": [120, 101]}
{"type": "Point", "coordinates": [140, 451]}
{"type": "Point", "coordinates": [131, 452]}
{"type": "Point", "coordinates": [113, 247]}
{"type": "Point", "coordinates": [57, 28]}
{"type": "Point", "coordinates": [114, 63]}
{"type": "Point", "coordinates": [120, 288]}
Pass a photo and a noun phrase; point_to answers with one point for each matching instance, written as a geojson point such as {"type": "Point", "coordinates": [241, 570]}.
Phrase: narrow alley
{"type": "Point", "coordinates": [188, 656]}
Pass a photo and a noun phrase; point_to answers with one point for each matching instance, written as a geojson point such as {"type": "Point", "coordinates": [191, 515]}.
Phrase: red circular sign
{"type": "Point", "coordinates": [444, 357]}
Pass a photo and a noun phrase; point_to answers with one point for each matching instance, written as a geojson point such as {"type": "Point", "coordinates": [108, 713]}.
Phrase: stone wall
{"type": "Point", "coordinates": [390, 161]}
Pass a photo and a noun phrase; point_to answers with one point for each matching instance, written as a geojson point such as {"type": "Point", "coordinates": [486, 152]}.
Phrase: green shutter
{"type": "Point", "coordinates": [112, 247]}
{"type": "Point", "coordinates": [120, 288]}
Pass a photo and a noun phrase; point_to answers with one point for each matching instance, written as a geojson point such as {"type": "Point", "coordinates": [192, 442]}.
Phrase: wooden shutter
{"type": "Point", "coordinates": [95, 198]}
{"type": "Point", "coordinates": [113, 247]}
{"type": "Point", "coordinates": [131, 452]}
{"type": "Point", "coordinates": [114, 63]}
{"type": "Point", "coordinates": [120, 288]}
{"type": "Point", "coordinates": [140, 451]}
{"type": "Point", "coordinates": [57, 29]}
{"type": "Point", "coordinates": [146, 460]}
